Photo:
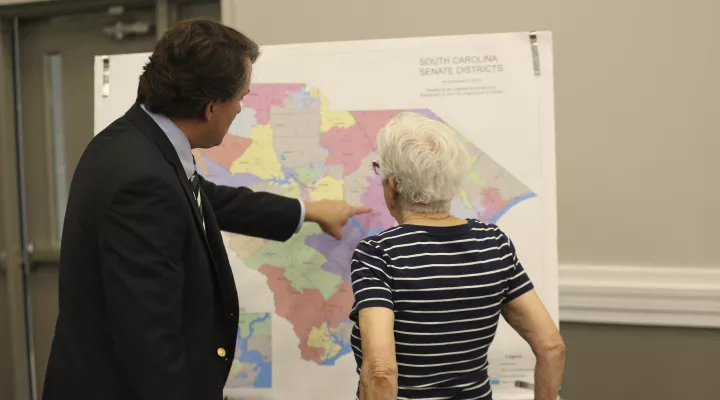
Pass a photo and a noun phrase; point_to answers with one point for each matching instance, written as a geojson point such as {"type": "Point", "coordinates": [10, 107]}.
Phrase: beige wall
{"type": "Point", "coordinates": [614, 362]}
{"type": "Point", "coordinates": [637, 129]}
{"type": "Point", "coordinates": [636, 105]}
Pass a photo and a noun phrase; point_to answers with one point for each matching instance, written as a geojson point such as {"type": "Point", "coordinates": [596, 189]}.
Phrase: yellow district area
{"type": "Point", "coordinates": [475, 178]}
{"type": "Point", "coordinates": [327, 188]}
{"type": "Point", "coordinates": [320, 338]}
{"type": "Point", "coordinates": [330, 119]}
{"type": "Point", "coordinates": [291, 190]}
{"type": "Point", "coordinates": [465, 199]}
{"type": "Point", "coordinates": [238, 367]}
{"type": "Point", "coordinates": [260, 158]}
{"type": "Point", "coordinates": [245, 246]}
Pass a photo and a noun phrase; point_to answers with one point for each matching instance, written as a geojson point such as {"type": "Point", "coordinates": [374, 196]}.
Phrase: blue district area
{"type": "Point", "coordinates": [264, 377]}
{"type": "Point", "coordinates": [344, 346]}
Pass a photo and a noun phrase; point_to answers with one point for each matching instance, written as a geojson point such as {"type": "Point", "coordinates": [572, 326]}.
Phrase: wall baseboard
{"type": "Point", "coordinates": [659, 296]}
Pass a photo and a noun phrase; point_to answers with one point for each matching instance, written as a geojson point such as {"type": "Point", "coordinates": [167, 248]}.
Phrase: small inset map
{"type": "Point", "coordinates": [252, 364]}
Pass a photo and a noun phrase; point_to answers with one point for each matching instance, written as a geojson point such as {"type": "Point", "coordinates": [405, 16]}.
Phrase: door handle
{"type": "Point", "coordinates": [42, 257]}
{"type": "Point", "coordinates": [3, 263]}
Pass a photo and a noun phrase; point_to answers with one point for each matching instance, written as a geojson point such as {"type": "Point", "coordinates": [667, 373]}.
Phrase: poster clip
{"type": "Point", "coordinates": [106, 76]}
{"type": "Point", "coordinates": [535, 52]}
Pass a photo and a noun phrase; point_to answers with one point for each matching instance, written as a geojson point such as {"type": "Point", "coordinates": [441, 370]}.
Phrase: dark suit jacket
{"type": "Point", "coordinates": [147, 299]}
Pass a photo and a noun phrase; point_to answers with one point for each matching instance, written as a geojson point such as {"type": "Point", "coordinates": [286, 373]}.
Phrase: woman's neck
{"type": "Point", "coordinates": [431, 219]}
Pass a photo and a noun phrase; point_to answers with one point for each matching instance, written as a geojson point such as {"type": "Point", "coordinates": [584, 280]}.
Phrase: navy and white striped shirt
{"type": "Point", "coordinates": [446, 286]}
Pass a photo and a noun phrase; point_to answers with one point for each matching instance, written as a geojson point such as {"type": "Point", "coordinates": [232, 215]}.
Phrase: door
{"type": "Point", "coordinates": [56, 75]}
{"type": "Point", "coordinates": [56, 90]}
{"type": "Point", "coordinates": [14, 367]}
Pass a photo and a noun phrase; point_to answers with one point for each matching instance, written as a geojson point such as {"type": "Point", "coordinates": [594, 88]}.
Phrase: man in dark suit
{"type": "Point", "coordinates": [148, 306]}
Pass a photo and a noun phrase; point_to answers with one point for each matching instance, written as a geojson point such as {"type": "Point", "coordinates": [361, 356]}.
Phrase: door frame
{"type": "Point", "coordinates": [42, 9]}
{"type": "Point", "coordinates": [20, 361]}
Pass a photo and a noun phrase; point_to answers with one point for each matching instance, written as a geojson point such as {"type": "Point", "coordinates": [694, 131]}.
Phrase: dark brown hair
{"type": "Point", "coordinates": [196, 62]}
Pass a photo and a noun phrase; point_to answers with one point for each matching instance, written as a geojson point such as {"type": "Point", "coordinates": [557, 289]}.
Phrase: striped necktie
{"type": "Point", "coordinates": [195, 181]}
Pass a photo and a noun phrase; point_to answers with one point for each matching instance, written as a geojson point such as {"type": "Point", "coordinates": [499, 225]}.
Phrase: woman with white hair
{"type": "Point", "coordinates": [429, 292]}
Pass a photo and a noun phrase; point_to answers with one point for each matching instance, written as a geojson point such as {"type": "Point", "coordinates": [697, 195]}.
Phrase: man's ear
{"type": "Point", "coordinates": [209, 110]}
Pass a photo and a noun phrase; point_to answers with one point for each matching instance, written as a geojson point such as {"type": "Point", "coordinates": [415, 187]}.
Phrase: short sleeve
{"type": "Point", "coordinates": [370, 277]}
{"type": "Point", "coordinates": [518, 281]}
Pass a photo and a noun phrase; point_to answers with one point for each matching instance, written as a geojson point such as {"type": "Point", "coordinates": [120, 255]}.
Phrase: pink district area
{"type": "Point", "coordinates": [307, 309]}
{"type": "Point", "coordinates": [231, 148]}
{"type": "Point", "coordinates": [263, 97]}
{"type": "Point", "coordinates": [347, 147]}
{"type": "Point", "coordinates": [493, 202]}
{"type": "Point", "coordinates": [372, 121]}
{"type": "Point", "coordinates": [379, 218]}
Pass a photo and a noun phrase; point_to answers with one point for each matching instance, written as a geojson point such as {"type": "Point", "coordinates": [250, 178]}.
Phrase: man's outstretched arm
{"type": "Point", "coordinates": [271, 216]}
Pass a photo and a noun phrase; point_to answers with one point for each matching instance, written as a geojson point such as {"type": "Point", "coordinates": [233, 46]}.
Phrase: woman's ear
{"type": "Point", "coordinates": [392, 185]}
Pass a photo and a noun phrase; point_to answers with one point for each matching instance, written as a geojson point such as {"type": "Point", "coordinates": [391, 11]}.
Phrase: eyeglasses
{"type": "Point", "coordinates": [376, 167]}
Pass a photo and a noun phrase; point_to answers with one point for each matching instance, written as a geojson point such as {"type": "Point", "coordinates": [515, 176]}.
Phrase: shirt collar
{"type": "Point", "coordinates": [178, 139]}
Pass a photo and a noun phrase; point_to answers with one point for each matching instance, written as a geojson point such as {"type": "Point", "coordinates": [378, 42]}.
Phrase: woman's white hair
{"type": "Point", "coordinates": [426, 159]}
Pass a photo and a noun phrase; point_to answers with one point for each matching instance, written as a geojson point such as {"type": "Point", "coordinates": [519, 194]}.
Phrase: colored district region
{"type": "Point", "coordinates": [289, 140]}
{"type": "Point", "coordinates": [228, 151]}
{"type": "Point", "coordinates": [263, 97]}
{"type": "Point", "coordinates": [337, 253]}
{"type": "Point", "coordinates": [319, 323]}
{"type": "Point", "coordinates": [252, 364]}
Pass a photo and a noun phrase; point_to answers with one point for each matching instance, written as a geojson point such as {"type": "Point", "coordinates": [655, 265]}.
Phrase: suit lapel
{"type": "Point", "coordinates": [146, 125]}
{"type": "Point", "coordinates": [214, 237]}
{"type": "Point", "coordinates": [190, 196]}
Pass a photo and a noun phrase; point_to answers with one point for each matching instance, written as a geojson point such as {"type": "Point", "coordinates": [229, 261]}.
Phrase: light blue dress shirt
{"type": "Point", "coordinates": [184, 152]}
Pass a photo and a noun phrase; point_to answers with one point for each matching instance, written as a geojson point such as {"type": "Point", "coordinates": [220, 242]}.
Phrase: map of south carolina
{"type": "Point", "coordinates": [288, 139]}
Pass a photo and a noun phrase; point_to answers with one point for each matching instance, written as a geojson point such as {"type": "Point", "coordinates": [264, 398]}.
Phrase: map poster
{"type": "Point", "coordinates": [308, 130]}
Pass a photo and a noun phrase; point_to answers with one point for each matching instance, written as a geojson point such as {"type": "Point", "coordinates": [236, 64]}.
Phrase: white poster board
{"type": "Point", "coordinates": [293, 137]}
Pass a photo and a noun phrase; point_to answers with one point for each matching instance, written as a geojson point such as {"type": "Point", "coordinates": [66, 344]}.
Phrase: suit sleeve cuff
{"type": "Point", "coordinates": [302, 215]}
